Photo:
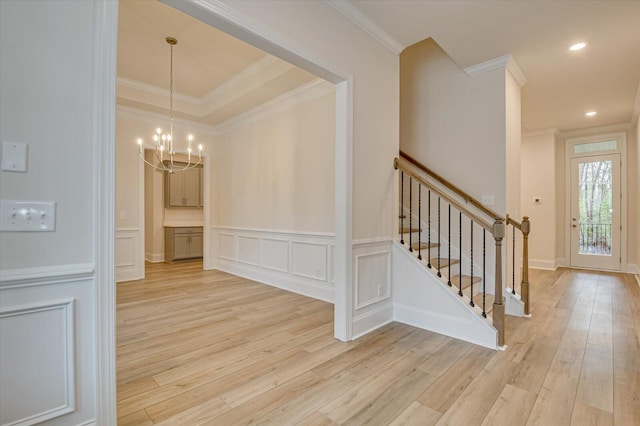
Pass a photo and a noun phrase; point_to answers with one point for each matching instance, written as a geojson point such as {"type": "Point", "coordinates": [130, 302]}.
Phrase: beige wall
{"type": "Point", "coordinates": [276, 171]}
{"type": "Point", "coordinates": [513, 146]}
{"type": "Point", "coordinates": [634, 191]}
{"type": "Point", "coordinates": [153, 211]}
{"type": "Point", "coordinates": [539, 181]}
{"type": "Point", "coordinates": [453, 123]}
{"type": "Point", "coordinates": [46, 76]}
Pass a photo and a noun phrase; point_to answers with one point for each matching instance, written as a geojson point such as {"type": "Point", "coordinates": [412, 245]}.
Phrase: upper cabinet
{"type": "Point", "coordinates": [183, 189]}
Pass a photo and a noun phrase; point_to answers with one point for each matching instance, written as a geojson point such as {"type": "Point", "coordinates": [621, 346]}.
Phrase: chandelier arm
{"type": "Point", "coordinates": [153, 165]}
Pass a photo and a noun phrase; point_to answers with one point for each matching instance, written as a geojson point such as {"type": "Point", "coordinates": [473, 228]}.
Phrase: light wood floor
{"type": "Point", "coordinates": [198, 347]}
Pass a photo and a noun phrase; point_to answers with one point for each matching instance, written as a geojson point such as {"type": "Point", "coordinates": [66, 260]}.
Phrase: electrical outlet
{"type": "Point", "coordinates": [537, 200]}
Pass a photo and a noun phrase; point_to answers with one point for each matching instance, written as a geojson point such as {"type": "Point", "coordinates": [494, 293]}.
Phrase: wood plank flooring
{"type": "Point", "coordinates": [207, 348]}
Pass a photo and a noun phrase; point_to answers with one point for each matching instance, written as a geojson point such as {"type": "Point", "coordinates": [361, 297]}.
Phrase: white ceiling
{"type": "Point", "coordinates": [217, 76]}
{"type": "Point", "coordinates": [562, 85]}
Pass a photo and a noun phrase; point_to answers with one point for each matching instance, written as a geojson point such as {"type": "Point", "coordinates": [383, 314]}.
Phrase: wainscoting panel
{"type": "Point", "coordinates": [296, 262]}
{"type": "Point", "coordinates": [227, 246]}
{"type": "Point", "coordinates": [309, 260]}
{"type": "Point", "coordinates": [275, 254]}
{"type": "Point", "coordinates": [44, 385]}
{"type": "Point", "coordinates": [47, 335]}
{"type": "Point", "coordinates": [129, 255]}
{"type": "Point", "coordinates": [372, 302]}
{"type": "Point", "coordinates": [249, 250]}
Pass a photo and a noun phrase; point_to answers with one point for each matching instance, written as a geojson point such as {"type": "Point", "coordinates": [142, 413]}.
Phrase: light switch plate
{"type": "Point", "coordinates": [27, 216]}
{"type": "Point", "coordinates": [14, 157]}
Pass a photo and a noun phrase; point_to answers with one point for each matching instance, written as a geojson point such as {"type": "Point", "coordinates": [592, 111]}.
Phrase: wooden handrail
{"type": "Point", "coordinates": [467, 198]}
{"type": "Point", "coordinates": [482, 222]}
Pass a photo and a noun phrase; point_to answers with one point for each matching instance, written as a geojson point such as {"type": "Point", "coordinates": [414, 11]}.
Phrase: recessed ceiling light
{"type": "Point", "coordinates": [590, 113]}
{"type": "Point", "coordinates": [577, 46]}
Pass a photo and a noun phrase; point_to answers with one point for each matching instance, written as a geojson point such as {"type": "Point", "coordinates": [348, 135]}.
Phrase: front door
{"type": "Point", "coordinates": [595, 212]}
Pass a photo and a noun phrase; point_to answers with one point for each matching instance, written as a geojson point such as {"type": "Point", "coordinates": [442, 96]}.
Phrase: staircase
{"type": "Point", "coordinates": [459, 242]}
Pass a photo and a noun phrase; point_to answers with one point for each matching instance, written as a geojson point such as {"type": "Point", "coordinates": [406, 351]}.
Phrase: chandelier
{"type": "Point", "coordinates": [164, 150]}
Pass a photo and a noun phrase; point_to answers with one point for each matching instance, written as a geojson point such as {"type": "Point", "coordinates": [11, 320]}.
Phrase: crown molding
{"type": "Point", "coordinates": [503, 62]}
{"type": "Point", "coordinates": [589, 131]}
{"type": "Point", "coordinates": [155, 117]}
{"type": "Point", "coordinates": [554, 131]}
{"type": "Point", "coordinates": [307, 92]}
{"type": "Point", "coordinates": [353, 14]}
{"type": "Point", "coordinates": [157, 91]}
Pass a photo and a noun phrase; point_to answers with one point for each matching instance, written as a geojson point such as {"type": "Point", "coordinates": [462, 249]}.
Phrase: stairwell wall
{"type": "Point", "coordinates": [453, 123]}
{"type": "Point", "coordinates": [539, 181]}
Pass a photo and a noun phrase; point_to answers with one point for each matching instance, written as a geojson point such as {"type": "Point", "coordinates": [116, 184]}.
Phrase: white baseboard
{"type": "Point", "coordinates": [632, 268]}
{"type": "Point", "coordinates": [372, 320]}
{"type": "Point", "coordinates": [154, 257]}
{"type": "Point", "coordinates": [297, 262]}
{"type": "Point", "coordinates": [277, 279]}
{"type": "Point", "coordinates": [550, 265]}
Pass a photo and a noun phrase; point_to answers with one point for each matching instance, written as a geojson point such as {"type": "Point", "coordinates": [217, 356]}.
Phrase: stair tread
{"type": "Point", "coordinates": [466, 280]}
{"type": "Point", "coordinates": [477, 299]}
{"type": "Point", "coordinates": [423, 246]}
{"type": "Point", "coordinates": [443, 262]}
{"type": "Point", "coordinates": [406, 230]}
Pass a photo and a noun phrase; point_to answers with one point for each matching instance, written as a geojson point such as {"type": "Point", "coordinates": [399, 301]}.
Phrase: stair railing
{"type": "Point", "coordinates": [494, 225]}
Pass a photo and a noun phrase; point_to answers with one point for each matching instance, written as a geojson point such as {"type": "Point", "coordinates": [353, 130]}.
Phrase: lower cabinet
{"type": "Point", "coordinates": [182, 243]}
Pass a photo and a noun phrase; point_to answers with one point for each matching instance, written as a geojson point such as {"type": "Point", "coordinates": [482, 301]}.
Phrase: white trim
{"type": "Point", "coordinates": [154, 117]}
{"type": "Point", "coordinates": [549, 265]}
{"type": "Point", "coordinates": [372, 320]}
{"type": "Point", "coordinates": [68, 305]}
{"type": "Point", "coordinates": [554, 131]}
{"type": "Point", "coordinates": [516, 72]}
{"type": "Point", "coordinates": [505, 62]}
{"type": "Point", "coordinates": [636, 109]}
{"type": "Point", "coordinates": [46, 274]}
{"type": "Point", "coordinates": [305, 93]}
{"type": "Point", "coordinates": [359, 304]}
{"type": "Point", "coordinates": [327, 235]}
{"type": "Point", "coordinates": [637, 278]}
{"type": "Point", "coordinates": [486, 66]}
{"type": "Point", "coordinates": [276, 279]}
{"type": "Point", "coordinates": [158, 91]}
{"type": "Point", "coordinates": [353, 14]}
{"type": "Point", "coordinates": [361, 242]}
{"type": "Point", "coordinates": [632, 268]}
{"type": "Point", "coordinates": [590, 136]}
{"type": "Point", "coordinates": [154, 257]}
{"type": "Point", "coordinates": [600, 130]}
{"type": "Point", "coordinates": [105, 27]}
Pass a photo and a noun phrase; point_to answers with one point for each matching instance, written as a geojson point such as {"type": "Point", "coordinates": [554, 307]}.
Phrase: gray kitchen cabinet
{"type": "Point", "coordinates": [182, 243]}
{"type": "Point", "coordinates": [182, 189]}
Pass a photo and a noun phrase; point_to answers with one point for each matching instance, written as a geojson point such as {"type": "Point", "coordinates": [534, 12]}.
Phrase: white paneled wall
{"type": "Point", "coordinates": [129, 252]}
{"type": "Point", "coordinates": [47, 345]}
{"type": "Point", "coordinates": [298, 262]}
{"type": "Point", "coordinates": [372, 286]}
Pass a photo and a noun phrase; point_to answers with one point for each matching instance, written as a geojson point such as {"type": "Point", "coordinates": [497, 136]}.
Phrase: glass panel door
{"type": "Point", "coordinates": [595, 212]}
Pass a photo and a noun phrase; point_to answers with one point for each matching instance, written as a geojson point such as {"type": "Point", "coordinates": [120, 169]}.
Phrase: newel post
{"type": "Point", "coordinates": [524, 286]}
{"type": "Point", "coordinates": [498, 304]}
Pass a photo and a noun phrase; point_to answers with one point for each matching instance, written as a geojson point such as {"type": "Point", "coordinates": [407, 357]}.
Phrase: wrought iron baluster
{"type": "Point", "coordinates": [419, 221]}
{"type": "Point", "coordinates": [449, 248]}
{"type": "Point", "coordinates": [401, 207]}
{"type": "Point", "coordinates": [410, 213]}
{"type": "Point", "coordinates": [484, 269]}
{"type": "Point", "coordinates": [439, 274]}
{"type": "Point", "coordinates": [460, 251]}
{"type": "Point", "coordinates": [429, 230]}
{"type": "Point", "coordinates": [471, 240]}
